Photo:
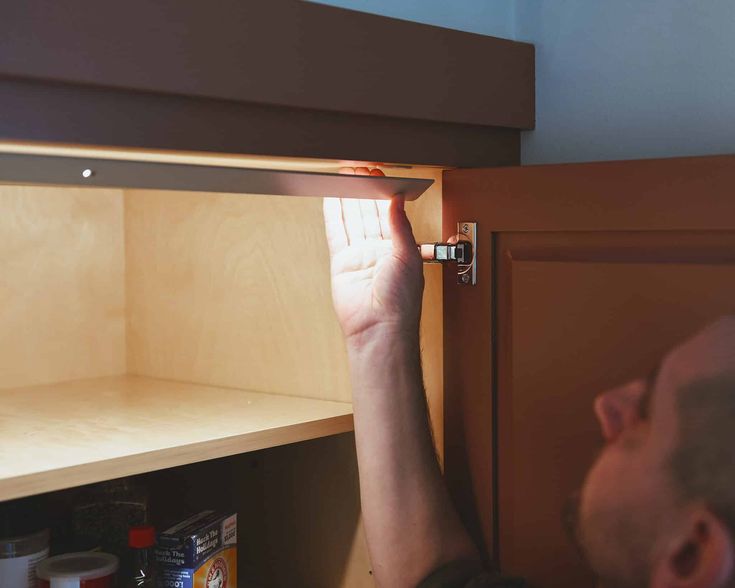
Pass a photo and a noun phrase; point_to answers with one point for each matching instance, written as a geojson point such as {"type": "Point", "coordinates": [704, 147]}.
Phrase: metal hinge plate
{"type": "Point", "coordinates": [467, 272]}
{"type": "Point", "coordinates": [461, 249]}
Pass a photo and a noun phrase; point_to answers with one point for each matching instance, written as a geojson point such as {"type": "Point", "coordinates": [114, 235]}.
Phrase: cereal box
{"type": "Point", "coordinates": [199, 552]}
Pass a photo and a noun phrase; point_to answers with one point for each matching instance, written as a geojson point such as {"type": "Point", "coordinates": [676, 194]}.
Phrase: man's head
{"type": "Point", "coordinates": [658, 506]}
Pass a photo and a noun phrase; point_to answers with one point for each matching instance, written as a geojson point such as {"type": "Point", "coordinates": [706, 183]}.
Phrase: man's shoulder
{"type": "Point", "coordinates": [468, 574]}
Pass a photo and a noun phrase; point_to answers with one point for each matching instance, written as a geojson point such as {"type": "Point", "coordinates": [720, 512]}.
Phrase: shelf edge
{"type": "Point", "coordinates": [129, 465]}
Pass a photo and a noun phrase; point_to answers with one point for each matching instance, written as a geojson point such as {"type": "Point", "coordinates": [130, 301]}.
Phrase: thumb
{"type": "Point", "coordinates": [404, 242]}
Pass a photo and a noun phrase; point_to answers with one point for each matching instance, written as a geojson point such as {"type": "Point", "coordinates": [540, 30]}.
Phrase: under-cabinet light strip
{"type": "Point", "coordinates": [109, 173]}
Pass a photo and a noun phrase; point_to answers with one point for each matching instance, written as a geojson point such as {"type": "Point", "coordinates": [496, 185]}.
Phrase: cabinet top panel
{"type": "Point", "coordinates": [280, 52]}
{"type": "Point", "coordinates": [63, 435]}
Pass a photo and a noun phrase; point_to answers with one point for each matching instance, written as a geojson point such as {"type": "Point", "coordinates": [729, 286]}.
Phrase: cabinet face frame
{"type": "Point", "coordinates": [684, 194]}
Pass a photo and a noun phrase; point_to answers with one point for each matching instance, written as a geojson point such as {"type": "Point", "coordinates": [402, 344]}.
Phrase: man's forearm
{"type": "Point", "coordinates": [411, 525]}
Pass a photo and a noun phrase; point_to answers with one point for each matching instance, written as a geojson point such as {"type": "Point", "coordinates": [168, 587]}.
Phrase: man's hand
{"type": "Point", "coordinates": [377, 276]}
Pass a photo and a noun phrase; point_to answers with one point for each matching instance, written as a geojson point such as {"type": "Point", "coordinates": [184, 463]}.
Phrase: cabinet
{"type": "Point", "coordinates": [126, 312]}
{"type": "Point", "coordinates": [174, 336]}
{"type": "Point", "coordinates": [144, 330]}
{"type": "Point", "coordinates": [591, 273]}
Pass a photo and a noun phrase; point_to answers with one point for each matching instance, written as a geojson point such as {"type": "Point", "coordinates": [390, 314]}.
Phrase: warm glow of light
{"type": "Point", "coordinates": [184, 157]}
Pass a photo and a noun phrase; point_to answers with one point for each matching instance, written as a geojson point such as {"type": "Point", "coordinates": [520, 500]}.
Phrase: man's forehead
{"type": "Point", "coordinates": [709, 353]}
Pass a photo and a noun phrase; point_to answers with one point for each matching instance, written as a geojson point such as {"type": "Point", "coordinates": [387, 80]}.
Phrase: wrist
{"type": "Point", "coordinates": [383, 352]}
{"type": "Point", "coordinates": [381, 338]}
{"type": "Point", "coordinates": [386, 362]}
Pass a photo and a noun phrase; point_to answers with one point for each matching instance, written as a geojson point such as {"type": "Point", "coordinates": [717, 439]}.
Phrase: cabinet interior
{"type": "Point", "coordinates": [218, 292]}
{"type": "Point", "coordinates": [298, 510]}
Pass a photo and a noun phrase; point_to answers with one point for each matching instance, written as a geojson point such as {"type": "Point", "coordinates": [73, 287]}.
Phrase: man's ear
{"type": "Point", "coordinates": [699, 554]}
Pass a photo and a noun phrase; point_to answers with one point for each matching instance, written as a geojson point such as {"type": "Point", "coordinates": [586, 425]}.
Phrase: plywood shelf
{"type": "Point", "coordinates": [64, 435]}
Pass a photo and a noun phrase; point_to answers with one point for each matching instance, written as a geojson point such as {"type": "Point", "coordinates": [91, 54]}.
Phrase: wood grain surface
{"type": "Point", "coordinates": [62, 295]}
{"type": "Point", "coordinates": [234, 291]}
{"type": "Point", "coordinates": [64, 435]}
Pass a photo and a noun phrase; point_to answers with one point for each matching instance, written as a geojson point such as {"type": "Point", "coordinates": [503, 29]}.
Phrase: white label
{"type": "Point", "coordinates": [20, 572]}
{"type": "Point", "coordinates": [229, 530]}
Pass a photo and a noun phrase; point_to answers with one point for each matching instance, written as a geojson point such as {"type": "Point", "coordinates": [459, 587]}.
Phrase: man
{"type": "Point", "coordinates": [657, 508]}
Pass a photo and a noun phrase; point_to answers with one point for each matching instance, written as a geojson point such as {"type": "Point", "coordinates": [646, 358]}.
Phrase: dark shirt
{"type": "Point", "coordinates": [468, 574]}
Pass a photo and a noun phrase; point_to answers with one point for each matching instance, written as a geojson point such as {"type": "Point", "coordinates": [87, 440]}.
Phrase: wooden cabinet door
{"type": "Point", "coordinates": [587, 275]}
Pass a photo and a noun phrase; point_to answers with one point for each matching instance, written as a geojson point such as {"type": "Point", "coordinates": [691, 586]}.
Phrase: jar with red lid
{"type": "Point", "coordinates": [141, 541]}
{"type": "Point", "coordinates": [86, 569]}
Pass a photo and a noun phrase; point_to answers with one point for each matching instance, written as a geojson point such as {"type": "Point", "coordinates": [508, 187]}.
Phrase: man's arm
{"type": "Point", "coordinates": [377, 283]}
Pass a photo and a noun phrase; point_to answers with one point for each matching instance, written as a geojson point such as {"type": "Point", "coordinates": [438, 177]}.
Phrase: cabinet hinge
{"type": "Point", "coordinates": [460, 249]}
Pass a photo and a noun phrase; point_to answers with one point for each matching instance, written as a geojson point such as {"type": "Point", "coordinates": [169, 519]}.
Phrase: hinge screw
{"type": "Point", "coordinates": [465, 278]}
{"type": "Point", "coordinates": [465, 228]}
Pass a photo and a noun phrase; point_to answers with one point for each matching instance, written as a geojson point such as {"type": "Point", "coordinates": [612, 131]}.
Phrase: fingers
{"type": "Point", "coordinates": [351, 221]}
{"type": "Point", "coordinates": [381, 208]}
{"type": "Point", "coordinates": [361, 171]}
{"type": "Point", "coordinates": [368, 209]}
{"type": "Point", "coordinates": [336, 235]}
{"type": "Point", "coordinates": [370, 219]}
{"type": "Point", "coordinates": [379, 214]}
{"type": "Point", "coordinates": [351, 215]}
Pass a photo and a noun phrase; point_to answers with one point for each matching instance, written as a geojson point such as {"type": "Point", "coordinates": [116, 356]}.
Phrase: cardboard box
{"type": "Point", "coordinates": [199, 552]}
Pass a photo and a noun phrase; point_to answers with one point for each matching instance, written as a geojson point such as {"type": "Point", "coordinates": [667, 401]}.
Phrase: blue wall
{"type": "Point", "coordinates": [616, 79]}
{"type": "Point", "coordinates": [629, 79]}
{"type": "Point", "coordinates": [487, 17]}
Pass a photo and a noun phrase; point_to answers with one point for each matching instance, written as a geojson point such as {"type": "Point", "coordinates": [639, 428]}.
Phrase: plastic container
{"type": "Point", "coordinates": [19, 558]}
{"type": "Point", "coordinates": [24, 540]}
{"type": "Point", "coordinates": [86, 569]}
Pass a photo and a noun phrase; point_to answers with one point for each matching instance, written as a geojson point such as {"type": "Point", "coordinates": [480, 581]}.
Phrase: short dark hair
{"type": "Point", "coordinates": [702, 465]}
